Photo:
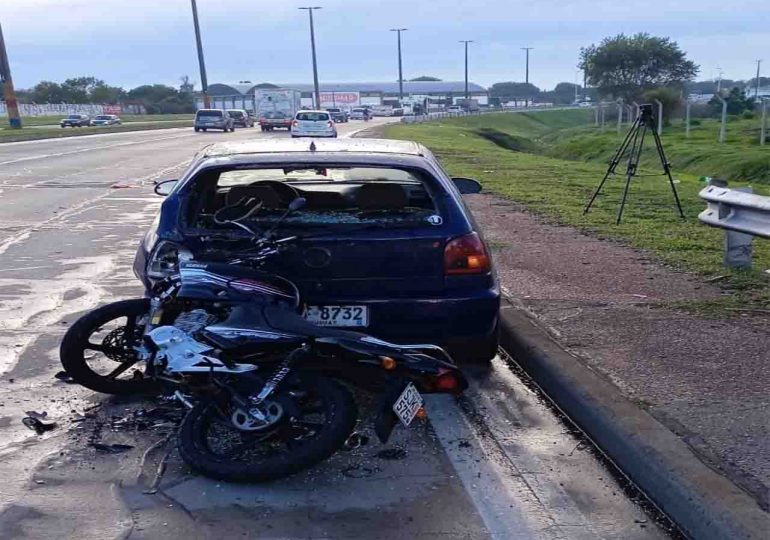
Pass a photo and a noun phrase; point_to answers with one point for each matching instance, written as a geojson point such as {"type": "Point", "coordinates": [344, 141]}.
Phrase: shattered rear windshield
{"type": "Point", "coordinates": [351, 196]}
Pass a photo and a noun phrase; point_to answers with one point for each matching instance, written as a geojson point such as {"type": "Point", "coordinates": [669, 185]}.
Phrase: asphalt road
{"type": "Point", "coordinates": [497, 464]}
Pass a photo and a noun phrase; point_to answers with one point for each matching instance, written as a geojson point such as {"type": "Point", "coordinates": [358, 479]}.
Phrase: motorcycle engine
{"type": "Point", "coordinates": [191, 321]}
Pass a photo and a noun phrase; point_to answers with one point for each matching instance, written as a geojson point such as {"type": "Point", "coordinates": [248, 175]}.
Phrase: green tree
{"type": "Point", "coordinates": [425, 78]}
{"type": "Point", "coordinates": [563, 93]}
{"type": "Point", "coordinates": [737, 102]}
{"type": "Point", "coordinates": [106, 94]}
{"type": "Point", "coordinates": [48, 92]}
{"type": "Point", "coordinates": [627, 66]}
{"type": "Point", "coordinates": [78, 89]}
{"type": "Point", "coordinates": [507, 91]}
{"type": "Point", "coordinates": [669, 97]}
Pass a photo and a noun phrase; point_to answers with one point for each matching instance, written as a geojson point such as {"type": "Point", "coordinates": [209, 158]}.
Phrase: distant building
{"type": "Point", "coordinates": [241, 95]}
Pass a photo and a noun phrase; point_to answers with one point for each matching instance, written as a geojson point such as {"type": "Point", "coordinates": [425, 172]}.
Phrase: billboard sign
{"type": "Point", "coordinates": [340, 99]}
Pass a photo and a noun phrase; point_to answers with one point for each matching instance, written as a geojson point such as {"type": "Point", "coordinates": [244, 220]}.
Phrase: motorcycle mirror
{"type": "Point", "coordinates": [297, 203]}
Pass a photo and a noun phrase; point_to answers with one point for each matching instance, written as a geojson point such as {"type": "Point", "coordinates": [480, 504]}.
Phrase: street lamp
{"type": "Point", "coordinates": [467, 95]}
{"type": "Point", "coordinates": [310, 10]}
{"type": "Point", "coordinates": [400, 69]}
{"type": "Point", "coordinates": [201, 63]}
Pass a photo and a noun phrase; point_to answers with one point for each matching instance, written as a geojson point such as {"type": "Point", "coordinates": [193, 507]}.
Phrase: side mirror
{"type": "Point", "coordinates": [467, 186]}
{"type": "Point", "coordinates": [164, 187]}
{"type": "Point", "coordinates": [297, 203]}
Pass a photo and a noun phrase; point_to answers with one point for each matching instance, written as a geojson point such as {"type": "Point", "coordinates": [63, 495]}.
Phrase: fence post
{"type": "Point", "coordinates": [723, 128]}
{"type": "Point", "coordinates": [636, 106]}
{"type": "Point", "coordinates": [660, 117]}
{"type": "Point", "coordinates": [620, 114]}
{"type": "Point", "coordinates": [630, 111]}
{"type": "Point", "coordinates": [604, 118]}
{"type": "Point", "coordinates": [596, 116]}
{"type": "Point", "coordinates": [687, 118]}
{"type": "Point", "coordinates": [763, 129]}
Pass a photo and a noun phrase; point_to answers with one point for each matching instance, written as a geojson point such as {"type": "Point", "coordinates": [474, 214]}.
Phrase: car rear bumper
{"type": "Point", "coordinates": [298, 133]}
{"type": "Point", "coordinates": [445, 321]}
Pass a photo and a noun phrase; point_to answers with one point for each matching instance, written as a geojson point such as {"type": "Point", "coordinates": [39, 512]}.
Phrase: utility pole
{"type": "Point", "coordinates": [317, 89]}
{"type": "Point", "coordinates": [467, 94]}
{"type": "Point", "coordinates": [14, 120]}
{"type": "Point", "coordinates": [400, 68]}
{"type": "Point", "coordinates": [756, 91]}
{"type": "Point", "coordinates": [201, 63]}
{"type": "Point", "coordinates": [526, 71]}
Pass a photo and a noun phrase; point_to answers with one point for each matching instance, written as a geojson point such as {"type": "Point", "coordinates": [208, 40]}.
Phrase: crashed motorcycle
{"type": "Point", "coordinates": [267, 390]}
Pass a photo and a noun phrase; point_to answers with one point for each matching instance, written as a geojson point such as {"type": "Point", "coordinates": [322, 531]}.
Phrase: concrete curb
{"type": "Point", "coordinates": [703, 503]}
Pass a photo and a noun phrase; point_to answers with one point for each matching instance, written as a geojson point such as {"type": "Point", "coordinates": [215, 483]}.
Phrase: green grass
{"type": "Point", "coordinates": [29, 121]}
{"type": "Point", "coordinates": [558, 189]}
{"type": "Point", "coordinates": [36, 133]}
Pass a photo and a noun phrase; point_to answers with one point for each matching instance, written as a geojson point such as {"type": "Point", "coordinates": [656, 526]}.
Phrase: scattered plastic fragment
{"type": "Point", "coordinates": [36, 425]}
{"type": "Point", "coordinates": [112, 448]}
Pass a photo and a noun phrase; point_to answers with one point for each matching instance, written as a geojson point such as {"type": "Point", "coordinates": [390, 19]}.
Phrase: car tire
{"type": "Point", "coordinates": [197, 130]}
{"type": "Point", "coordinates": [204, 129]}
{"type": "Point", "coordinates": [478, 352]}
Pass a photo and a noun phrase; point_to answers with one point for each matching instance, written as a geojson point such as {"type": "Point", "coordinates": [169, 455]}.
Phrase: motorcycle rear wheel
{"type": "Point", "coordinates": [289, 446]}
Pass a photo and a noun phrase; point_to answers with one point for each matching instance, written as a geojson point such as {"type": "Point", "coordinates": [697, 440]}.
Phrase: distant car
{"type": "Point", "coordinates": [358, 113]}
{"type": "Point", "coordinates": [241, 118]}
{"type": "Point", "coordinates": [585, 104]}
{"type": "Point", "coordinates": [454, 108]}
{"type": "Point", "coordinates": [106, 120]}
{"type": "Point", "coordinates": [76, 120]}
{"type": "Point", "coordinates": [338, 115]}
{"type": "Point", "coordinates": [269, 120]}
{"type": "Point", "coordinates": [213, 119]}
{"type": "Point", "coordinates": [313, 124]}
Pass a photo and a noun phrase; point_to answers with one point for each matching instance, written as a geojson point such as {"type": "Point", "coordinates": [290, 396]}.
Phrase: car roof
{"type": "Point", "coordinates": [312, 110]}
{"type": "Point", "coordinates": [347, 146]}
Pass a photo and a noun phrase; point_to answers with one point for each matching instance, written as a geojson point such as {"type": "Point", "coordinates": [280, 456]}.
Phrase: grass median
{"type": "Point", "coordinates": [41, 131]}
{"type": "Point", "coordinates": [513, 156]}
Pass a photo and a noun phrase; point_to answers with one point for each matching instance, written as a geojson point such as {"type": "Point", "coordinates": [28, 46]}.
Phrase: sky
{"type": "Point", "coordinates": [133, 42]}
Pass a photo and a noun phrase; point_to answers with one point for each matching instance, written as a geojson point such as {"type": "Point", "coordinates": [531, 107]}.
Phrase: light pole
{"type": "Point", "coordinates": [310, 10]}
{"type": "Point", "coordinates": [201, 63]}
{"type": "Point", "coordinates": [400, 68]}
{"type": "Point", "coordinates": [526, 71]}
{"type": "Point", "coordinates": [467, 94]}
{"type": "Point", "coordinates": [756, 91]}
{"type": "Point", "coordinates": [14, 120]}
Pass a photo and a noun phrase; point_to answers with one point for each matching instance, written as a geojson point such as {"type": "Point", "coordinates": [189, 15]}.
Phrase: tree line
{"type": "Point", "coordinates": [156, 98]}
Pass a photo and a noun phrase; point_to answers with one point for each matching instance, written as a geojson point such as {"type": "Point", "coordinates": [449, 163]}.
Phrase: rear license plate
{"type": "Point", "coordinates": [351, 316]}
{"type": "Point", "coordinates": [408, 404]}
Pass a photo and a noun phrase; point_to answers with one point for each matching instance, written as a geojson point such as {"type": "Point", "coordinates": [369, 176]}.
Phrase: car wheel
{"type": "Point", "coordinates": [204, 129]}
{"type": "Point", "coordinates": [197, 130]}
{"type": "Point", "coordinates": [478, 352]}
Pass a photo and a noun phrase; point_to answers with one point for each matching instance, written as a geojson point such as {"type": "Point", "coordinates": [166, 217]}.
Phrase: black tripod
{"type": "Point", "coordinates": [635, 140]}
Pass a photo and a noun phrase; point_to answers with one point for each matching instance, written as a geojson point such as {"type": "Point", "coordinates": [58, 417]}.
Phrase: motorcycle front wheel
{"type": "Point", "coordinates": [99, 350]}
{"type": "Point", "coordinates": [310, 418]}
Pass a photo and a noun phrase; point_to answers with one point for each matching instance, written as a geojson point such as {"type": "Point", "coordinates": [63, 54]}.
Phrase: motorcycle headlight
{"type": "Point", "coordinates": [165, 258]}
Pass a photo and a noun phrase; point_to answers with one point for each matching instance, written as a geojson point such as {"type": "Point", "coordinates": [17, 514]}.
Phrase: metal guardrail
{"type": "Point", "coordinates": [736, 210]}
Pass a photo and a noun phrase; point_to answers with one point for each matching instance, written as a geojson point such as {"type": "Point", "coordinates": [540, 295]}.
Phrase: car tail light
{"type": "Point", "coordinates": [447, 381]}
{"type": "Point", "coordinates": [329, 123]}
{"type": "Point", "coordinates": [466, 255]}
{"type": "Point", "coordinates": [165, 258]}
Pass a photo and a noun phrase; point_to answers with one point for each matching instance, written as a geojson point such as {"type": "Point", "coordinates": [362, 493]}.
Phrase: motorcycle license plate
{"type": "Point", "coordinates": [343, 316]}
{"type": "Point", "coordinates": [408, 404]}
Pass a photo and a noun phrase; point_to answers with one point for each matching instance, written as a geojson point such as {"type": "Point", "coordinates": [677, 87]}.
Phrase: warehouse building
{"type": "Point", "coordinates": [438, 93]}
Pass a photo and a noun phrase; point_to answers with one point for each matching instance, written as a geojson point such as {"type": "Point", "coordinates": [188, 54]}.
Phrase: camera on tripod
{"type": "Point", "coordinates": [632, 146]}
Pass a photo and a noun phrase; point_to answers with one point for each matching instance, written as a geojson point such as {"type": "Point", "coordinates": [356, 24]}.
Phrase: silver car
{"type": "Point", "coordinates": [213, 119]}
{"type": "Point", "coordinates": [313, 124]}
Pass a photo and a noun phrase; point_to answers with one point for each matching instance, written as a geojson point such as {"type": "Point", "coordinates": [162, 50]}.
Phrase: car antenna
{"type": "Point", "coordinates": [312, 146]}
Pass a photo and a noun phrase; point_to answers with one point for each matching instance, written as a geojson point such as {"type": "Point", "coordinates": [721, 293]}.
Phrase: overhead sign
{"type": "Point", "coordinates": [336, 99]}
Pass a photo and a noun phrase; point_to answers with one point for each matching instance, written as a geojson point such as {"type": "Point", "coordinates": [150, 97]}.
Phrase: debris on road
{"type": "Point", "coordinates": [37, 426]}
{"type": "Point", "coordinates": [391, 454]}
{"type": "Point", "coordinates": [64, 377]}
{"type": "Point", "coordinates": [112, 448]}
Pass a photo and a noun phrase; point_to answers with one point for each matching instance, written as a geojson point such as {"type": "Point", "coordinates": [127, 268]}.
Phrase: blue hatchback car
{"type": "Point", "coordinates": [388, 246]}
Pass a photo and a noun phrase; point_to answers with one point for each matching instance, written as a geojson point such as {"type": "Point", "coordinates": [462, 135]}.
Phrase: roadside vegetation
{"type": "Point", "coordinates": [550, 162]}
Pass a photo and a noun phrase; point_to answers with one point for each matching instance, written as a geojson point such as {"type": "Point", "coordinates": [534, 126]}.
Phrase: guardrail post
{"type": "Point", "coordinates": [738, 245]}
{"type": "Point", "coordinates": [763, 129]}
{"type": "Point", "coordinates": [687, 118]}
{"type": "Point", "coordinates": [723, 126]}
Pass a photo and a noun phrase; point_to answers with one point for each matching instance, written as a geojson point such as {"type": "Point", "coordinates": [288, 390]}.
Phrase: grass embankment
{"type": "Point", "coordinates": [512, 155]}
{"type": "Point", "coordinates": [37, 127]}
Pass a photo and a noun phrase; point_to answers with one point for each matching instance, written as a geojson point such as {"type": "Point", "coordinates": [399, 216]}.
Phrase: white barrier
{"type": "Point", "coordinates": [63, 109]}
